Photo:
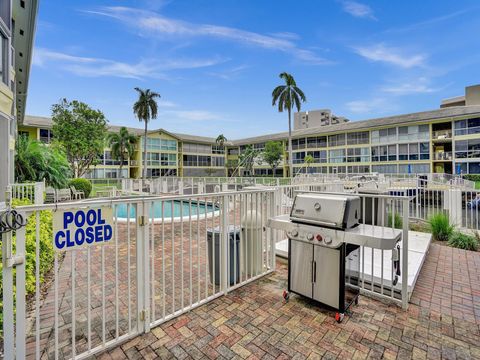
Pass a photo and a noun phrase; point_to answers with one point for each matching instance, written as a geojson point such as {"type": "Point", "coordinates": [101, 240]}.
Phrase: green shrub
{"type": "Point", "coordinates": [397, 221]}
{"type": "Point", "coordinates": [463, 241]}
{"type": "Point", "coordinates": [81, 184]}
{"type": "Point", "coordinates": [440, 227]}
{"type": "Point", "coordinates": [472, 177]}
{"type": "Point", "coordinates": [46, 251]}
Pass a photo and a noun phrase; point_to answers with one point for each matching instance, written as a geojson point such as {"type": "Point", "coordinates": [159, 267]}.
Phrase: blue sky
{"type": "Point", "coordinates": [216, 62]}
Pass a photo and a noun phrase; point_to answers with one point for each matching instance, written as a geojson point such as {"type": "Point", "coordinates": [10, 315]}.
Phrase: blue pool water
{"type": "Point", "coordinates": [179, 209]}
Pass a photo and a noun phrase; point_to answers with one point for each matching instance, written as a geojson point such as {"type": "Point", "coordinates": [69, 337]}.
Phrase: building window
{"type": "Point", "coordinates": [358, 155]}
{"type": "Point", "coordinates": [384, 153]}
{"type": "Point", "coordinates": [357, 138]}
{"type": "Point", "coordinates": [413, 168]}
{"type": "Point", "coordinates": [384, 169]}
{"type": "Point", "coordinates": [467, 149]}
{"type": "Point", "coordinates": [467, 126]}
{"type": "Point", "coordinates": [25, 134]}
{"type": "Point", "coordinates": [384, 136]}
{"type": "Point", "coordinates": [413, 132]}
{"type": "Point", "coordinates": [316, 142]}
{"type": "Point", "coordinates": [233, 151]}
{"type": "Point", "coordinates": [4, 63]}
{"type": "Point", "coordinates": [297, 144]}
{"type": "Point", "coordinates": [46, 136]}
{"type": "Point", "coordinates": [337, 156]}
{"type": "Point", "coordinates": [157, 144]}
{"type": "Point", "coordinates": [218, 149]}
{"type": "Point", "coordinates": [336, 140]}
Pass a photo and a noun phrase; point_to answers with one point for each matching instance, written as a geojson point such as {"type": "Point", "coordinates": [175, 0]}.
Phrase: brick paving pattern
{"type": "Point", "coordinates": [254, 323]}
{"type": "Point", "coordinates": [172, 251]}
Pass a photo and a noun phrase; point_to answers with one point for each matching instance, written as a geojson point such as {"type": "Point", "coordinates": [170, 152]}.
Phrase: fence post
{"type": "Point", "coordinates": [38, 193]}
{"type": "Point", "coordinates": [224, 247]}
{"type": "Point", "coordinates": [405, 206]}
{"type": "Point", "coordinates": [143, 262]}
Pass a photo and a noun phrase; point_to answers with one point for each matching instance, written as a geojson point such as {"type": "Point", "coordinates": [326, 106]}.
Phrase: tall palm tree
{"type": "Point", "coordinates": [308, 160]}
{"type": "Point", "coordinates": [288, 96]}
{"type": "Point", "coordinates": [145, 109]}
{"type": "Point", "coordinates": [122, 145]}
{"type": "Point", "coordinates": [220, 140]}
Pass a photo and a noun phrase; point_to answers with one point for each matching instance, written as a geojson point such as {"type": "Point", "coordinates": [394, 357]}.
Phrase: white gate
{"type": "Point", "coordinates": [167, 256]}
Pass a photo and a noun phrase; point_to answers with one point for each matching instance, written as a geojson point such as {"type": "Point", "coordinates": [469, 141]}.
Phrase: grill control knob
{"type": "Point", "coordinates": [319, 237]}
{"type": "Point", "coordinates": [328, 240]}
{"type": "Point", "coordinates": [317, 206]}
{"type": "Point", "coordinates": [310, 237]}
{"type": "Point", "coordinates": [294, 232]}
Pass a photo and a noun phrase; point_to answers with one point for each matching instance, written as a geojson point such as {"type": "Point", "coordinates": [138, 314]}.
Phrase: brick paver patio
{"type": "Point", "coordinates": [253, 322]}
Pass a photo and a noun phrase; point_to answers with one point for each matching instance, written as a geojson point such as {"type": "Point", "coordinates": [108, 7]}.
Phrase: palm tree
{"type": "Point", "coordinates": [247, 159]}
{"type": "Point", "coordinates": [220, 140]}
{"type": "Point", "coordinates": [145, 109]}
{"type": "Point", "coordinates": [35, 161]}
{"type": "Point", "coordinates": [308, 160]}
{"type": "Point", "coordinates": [288, 96]}
{"type": "Point", "coordinates": [121, 145]}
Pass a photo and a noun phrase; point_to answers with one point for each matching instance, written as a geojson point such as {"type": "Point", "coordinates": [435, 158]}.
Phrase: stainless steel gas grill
{"type": "Point", "coordinates": [325, 235]}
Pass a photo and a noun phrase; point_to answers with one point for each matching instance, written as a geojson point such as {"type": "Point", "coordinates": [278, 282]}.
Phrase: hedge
{"type": "Point", "coordinates": [472, 177]}
{"type": "Point", "coordinates": [81, 184]}
{"type": "Point", "coordinates": [46, 251]}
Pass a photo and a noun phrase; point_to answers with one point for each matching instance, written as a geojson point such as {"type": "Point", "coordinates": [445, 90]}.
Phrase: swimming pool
{"type": "Point", "coordinates": [175, 209]}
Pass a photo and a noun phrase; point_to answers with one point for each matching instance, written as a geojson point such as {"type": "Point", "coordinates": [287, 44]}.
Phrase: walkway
{"type": "Point", "coordinates": [252, 322]}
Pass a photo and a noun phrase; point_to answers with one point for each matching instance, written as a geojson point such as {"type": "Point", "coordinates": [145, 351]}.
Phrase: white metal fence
{"type": "Point", "coordinates": [167, 256]}
{"type": "Point", "coordinates": [31, 191]}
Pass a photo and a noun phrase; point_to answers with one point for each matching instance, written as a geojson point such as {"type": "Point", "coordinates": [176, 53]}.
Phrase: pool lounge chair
{"type": "Point", "coordinates": [63, 195]}
{"type": "Point", "coordinates": [77, 194]}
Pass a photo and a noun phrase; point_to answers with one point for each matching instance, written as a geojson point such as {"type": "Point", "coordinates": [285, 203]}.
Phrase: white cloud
{"type": "Point", "coordinates": [98, 67]}
{"type": "Point", "coordinates": [371, 106]}
{"type": "Point", "coordinates": [229, 74]}
{"type": "Point", "coordinates": [193, 115]}
{"type": "Point", "coordinates": [420, 86]}
{"type": "Point", "coordinates": [149, 23]}
{"type": "Point", "coordinates": [358, 9]}
{"type": "Point", "coordinates": [390, 55]}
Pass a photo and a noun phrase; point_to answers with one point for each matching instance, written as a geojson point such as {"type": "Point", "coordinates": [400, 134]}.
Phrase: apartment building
{"type": "Point", "coordinates": [445, 140]}
{"type": "Point", "coordinates": [17, 27]}
{"type": "Point", "coordinates": [168, 154]}
{"type": "Point", "coordinates": [316, 118]}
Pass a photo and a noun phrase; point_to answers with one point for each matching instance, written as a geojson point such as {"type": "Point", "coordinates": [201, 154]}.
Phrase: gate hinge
{"type": "Point", "coordinates": [143, 314]}
{"type": "Point", "coordinates": [141, 220]}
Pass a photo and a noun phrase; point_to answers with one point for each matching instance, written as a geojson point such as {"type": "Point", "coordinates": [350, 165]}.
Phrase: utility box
{"type": "Point", "coordinates": [252, 242]}
{"type": "Point", "coordinates": [233, 266]}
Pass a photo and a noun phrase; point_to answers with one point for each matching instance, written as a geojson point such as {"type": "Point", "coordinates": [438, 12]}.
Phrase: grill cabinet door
{"type": "Point", "coordinates": [327, 276]}
{"type": "Point", "coordinates": [300, 267]}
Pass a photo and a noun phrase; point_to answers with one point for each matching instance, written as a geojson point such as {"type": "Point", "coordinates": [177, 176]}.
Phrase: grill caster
{"type": "Point", "coordinates": [356, 300]}
{"type": "Point", "coordinates": [286, 295]}
{"type": "Point", "coordinates": [339, 317]}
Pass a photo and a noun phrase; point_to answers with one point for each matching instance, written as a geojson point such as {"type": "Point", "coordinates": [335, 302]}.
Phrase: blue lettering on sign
{"type": "Point", "coordinates": [91, 228]}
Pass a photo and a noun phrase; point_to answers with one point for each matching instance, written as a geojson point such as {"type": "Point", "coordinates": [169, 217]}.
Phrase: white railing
{"type": "Point", "coordinates": [167, 256]}
{"type": "Point", "coordinates": [30, 191]}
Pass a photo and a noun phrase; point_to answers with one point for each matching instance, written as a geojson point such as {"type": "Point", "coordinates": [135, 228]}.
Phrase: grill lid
{"type": "Point", "coordinates": [332, 210]}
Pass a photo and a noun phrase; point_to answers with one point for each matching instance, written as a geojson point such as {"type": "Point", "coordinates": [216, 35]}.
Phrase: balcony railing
{"type": "Point", "coordinates": [442, 155]}
{"type": "Point", "coordinates": [442, 135]}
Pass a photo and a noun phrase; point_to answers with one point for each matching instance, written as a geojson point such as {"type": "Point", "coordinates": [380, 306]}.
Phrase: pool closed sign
{"type": "Point", "coordinates": [77, 228]}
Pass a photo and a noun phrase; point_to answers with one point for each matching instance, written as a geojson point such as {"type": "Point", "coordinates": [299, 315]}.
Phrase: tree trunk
{"type": "Point", "coordinates": [290, 157]}
{"type": "Point", "coordinates": [145, 152]}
